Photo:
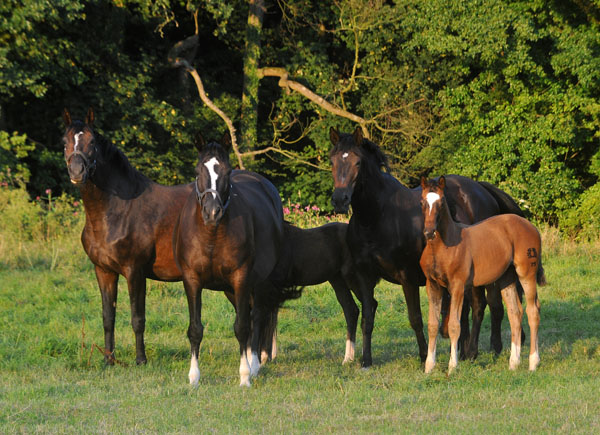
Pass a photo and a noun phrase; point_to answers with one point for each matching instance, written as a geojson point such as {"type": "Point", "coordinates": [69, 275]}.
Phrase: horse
{"type": "Point", "coordinates": [229, 234]}
{"type": "Point", "coordinates": [128, 227]}
{"type": "Point", "coordinates": [316, 255]}
{"type": "Point", "coordinates": [385, 233]}
{"type": "Point", "coordinates": [495, 251]}
{"type": "Point", "coordinates": [129, 224]}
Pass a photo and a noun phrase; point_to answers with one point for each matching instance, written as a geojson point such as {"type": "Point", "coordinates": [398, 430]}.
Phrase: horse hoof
{"type": "Point", "coordinates": [141, 362]}
{"type": "Point", "coordinates": [347, 361]}
{"type": "Point", "coordinates": [429, 365]}
{"type": "Point", "coordinates": [254, 367]}
{"type": "Point", "coordinates": [245, 382]}
{"type": "Point", "coordinates": [194, 377]}
{"type": "Point", "coordinates": [534, 360]}
{"type": "Point", "coordinates": [513, 364]}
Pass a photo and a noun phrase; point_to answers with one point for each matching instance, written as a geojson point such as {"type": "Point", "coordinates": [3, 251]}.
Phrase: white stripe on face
{"type": "Point", "coordinates": [431, 198]}
{"type": "Point", "coordinates": [77, 140]}
{"type": "Point", "coordinates": [210, 165]}
{"type": "Point", "coordinates": [345, 155]}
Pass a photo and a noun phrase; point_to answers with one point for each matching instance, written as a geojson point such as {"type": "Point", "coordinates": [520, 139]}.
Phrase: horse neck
{"type": "Point", "coordinates": [449, 231]}
{"type": "Point", "coordinates": [108, 188]}
{"type": "Point", "coordinates": [366, 198]}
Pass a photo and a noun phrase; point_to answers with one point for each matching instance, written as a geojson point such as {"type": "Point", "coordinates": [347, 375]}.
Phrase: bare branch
{"type": "Point", "coordinates": [176, 61]}
{"type": "Point", "coordinates": [286, 83]}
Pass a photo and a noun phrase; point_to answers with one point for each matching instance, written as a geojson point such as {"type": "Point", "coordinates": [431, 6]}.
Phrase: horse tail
{"type": "Point", "coordinates": [541, 276]}
{"type": "Point", "coordinates": [506, 203]}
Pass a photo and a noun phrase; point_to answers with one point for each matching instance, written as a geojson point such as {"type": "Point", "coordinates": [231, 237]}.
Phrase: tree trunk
{"type": "Point", "coordinates": [249, 112]}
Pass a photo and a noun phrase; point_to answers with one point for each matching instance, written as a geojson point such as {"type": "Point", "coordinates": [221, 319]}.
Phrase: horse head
{"type": "Point", "coordinates": [212, 182]}
{"type": "Point", "coordinates": [80, 147]}
{"type": "Point", "coordinates": [346, 159]}
{"type": "Point", "coordinates": [432, 201]}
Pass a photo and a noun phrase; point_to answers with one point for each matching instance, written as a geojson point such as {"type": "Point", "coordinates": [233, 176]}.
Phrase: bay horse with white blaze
{"type": "Point", "coordinates": [229, 234]}
{"type": "Point", "coordinates": [385, 233]}
{"type": "Point", "coordinates": [129, 223]}
{"type": "Point", "coordinates": [496, 251]}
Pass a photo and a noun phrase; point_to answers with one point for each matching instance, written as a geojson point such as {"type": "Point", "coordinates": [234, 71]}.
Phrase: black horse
{"type": "Point", "coordinates": [128, 227]}
{"type": "Point", "coordinates": [385, 233]}
{"type": "Point", "coordinates": [229, 234]}
{"type": "Point", "coordinates": [316, 255]}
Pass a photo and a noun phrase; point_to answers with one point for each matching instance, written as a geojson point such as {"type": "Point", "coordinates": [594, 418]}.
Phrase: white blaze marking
{"type": "Point", "coordinates": [77, 140]}
{"type": "Point", "coordinates": [210, 165]}
{"type": "Point", "coordinates": [345, 155]}
{"type": "Point", "coordinates": [431, 198]}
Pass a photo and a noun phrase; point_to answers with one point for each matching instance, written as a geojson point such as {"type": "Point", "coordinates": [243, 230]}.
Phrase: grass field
{"type": "Point", "coordinates": [50, 317]}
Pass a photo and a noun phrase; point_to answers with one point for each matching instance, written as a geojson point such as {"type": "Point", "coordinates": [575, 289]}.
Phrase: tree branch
{"type": "Point", "coordinates": [176, 62]}
{"type": "Point", "coordinates": [286, 83]}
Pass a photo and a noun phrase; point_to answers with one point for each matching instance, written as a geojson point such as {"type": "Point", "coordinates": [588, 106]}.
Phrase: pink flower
{"type": "Point", "coordinates": [48, 191]}
{"type": "Point", "coordinates": [315, 208]}
{"type": "Point", "coordinates": [307, 208]}
{"type": "Point", "coordinates": [286, 210]}
{"type": "Point", "coordinates": [37, 198]}
{"type": "Point", "coordinates": [76, 204]}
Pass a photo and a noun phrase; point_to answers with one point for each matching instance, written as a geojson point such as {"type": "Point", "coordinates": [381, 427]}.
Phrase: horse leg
{"type": "Point", "coordinates": [457, 294]}
{"type": "Point", "coordinates": [366, 286]}
{"type": "Point", "coordinates": [413, 306]}
{"type": "Point", "coordinates": [107, 281]}
{"type": "Point", "coordinates": [445, 311]}
{"type": "Point", "coordinates": [515, 315]}
{"type": "Point", "coordinates": [193, 291]}
{"type": "Point", "coordinates": [478, 303]}
{"type": "Point", "coordinates": [344, 297]}
{"type": "Point", "coordinates": [242, 323]}
{"type": "Point", "coordinates": [268, 338]}
{"type": "Point", "coordinates": [464, 338]}
{"type": "Point", "coordinates": [494, 299]}
{"type": "Point", "coordinates": [136, 283]}
{"type": "Point", "coordinates": [434, 294]}
{"type": "Point", "coordinates": [533, 317]}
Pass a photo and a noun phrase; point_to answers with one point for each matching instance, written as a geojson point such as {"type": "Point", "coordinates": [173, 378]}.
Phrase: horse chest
{"type": "Point", "coordinates": [113, 248]}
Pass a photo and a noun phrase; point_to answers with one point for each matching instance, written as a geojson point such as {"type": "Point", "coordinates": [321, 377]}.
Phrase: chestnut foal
{"type": "Point", "coordinates": [496, 251]}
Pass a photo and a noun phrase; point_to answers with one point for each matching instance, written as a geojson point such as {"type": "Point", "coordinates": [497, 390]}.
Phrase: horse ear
{"type": "Point", "coordinates": [358, 136]}
{"type": "Point", "coordinates": [334, 136]}
{"type": "Point", "coordinates": [199, 141]}
{"type": "Point", "coordinates": [423, 182]}
{"type": "Point", "coordinates": [442, 182]}
{"type": "Point", "coordinates": [226, 141]}
{"type": "Point", "coordinates": [89, 119]}
{"type": "Point", "coordinates": [66, 117]}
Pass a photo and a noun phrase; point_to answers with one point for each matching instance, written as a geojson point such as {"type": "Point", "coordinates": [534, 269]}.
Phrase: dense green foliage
{"type": "Point", "coordinates": [53, 380]}
{"type": "Point", "coordinates": [501, 91]}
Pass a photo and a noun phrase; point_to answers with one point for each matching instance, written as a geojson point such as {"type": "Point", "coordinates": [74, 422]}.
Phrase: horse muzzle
{"type": "Point", "coordinates": [429, 234]}
{"type": "Point", "coordinates": [340, 199]}
{"type": "Point", "coordinates": [78, 173]}
{"type": "Point", "coordinates": [212, 213]}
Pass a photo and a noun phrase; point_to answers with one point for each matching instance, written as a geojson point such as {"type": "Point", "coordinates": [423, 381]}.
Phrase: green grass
{"type": "Point", "coordinates": [49, 383]}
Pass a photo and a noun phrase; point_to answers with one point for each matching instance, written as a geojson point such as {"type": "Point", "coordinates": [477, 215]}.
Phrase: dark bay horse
{"type": "Point", "coordinates": [495, 251]}
{"type": "Point", "coordinates": [385, 233]}
{"type": "Point", "coordinates": [316, 255]}
{"type": "Point", "coordinates": [229, 234]}
{"type": "Point", "coordinates": [128, 227]}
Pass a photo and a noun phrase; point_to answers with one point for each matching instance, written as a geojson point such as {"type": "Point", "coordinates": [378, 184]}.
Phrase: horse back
{"type": "Point", "coordinates": [496, 243]}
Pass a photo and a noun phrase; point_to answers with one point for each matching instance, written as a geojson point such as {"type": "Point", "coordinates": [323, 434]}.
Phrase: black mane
{"type": "Point", "coordinates": [113, 163]}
